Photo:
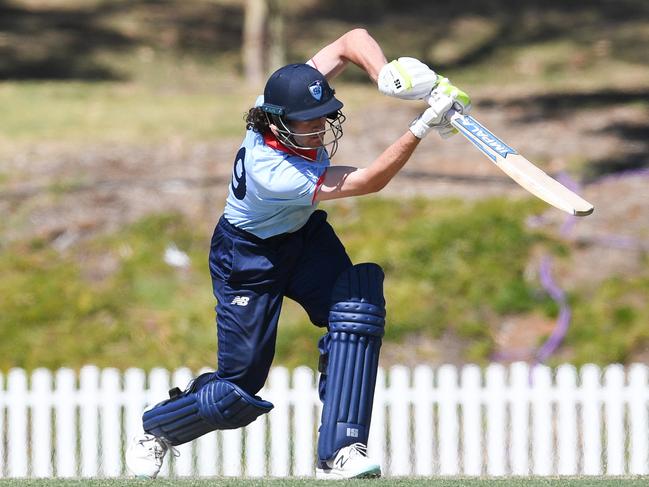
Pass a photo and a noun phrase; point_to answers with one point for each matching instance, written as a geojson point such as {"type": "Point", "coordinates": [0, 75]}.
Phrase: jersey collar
{"type": "Point", "coordinates": [271, 141]}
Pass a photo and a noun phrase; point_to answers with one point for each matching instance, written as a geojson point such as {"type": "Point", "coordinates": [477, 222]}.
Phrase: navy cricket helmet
{"type": "Point", "coordinates": [299, 92]}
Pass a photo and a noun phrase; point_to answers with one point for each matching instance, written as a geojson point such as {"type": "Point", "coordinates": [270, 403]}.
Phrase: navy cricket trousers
{"type": "Point", "coordinates": [251, 276]}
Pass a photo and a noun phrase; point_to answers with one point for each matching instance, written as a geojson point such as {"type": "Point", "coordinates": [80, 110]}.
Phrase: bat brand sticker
{"type": "Point", "coordinates": [486, 137]}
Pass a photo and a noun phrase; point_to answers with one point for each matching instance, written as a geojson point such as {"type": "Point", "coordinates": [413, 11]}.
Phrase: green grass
{"type": "Point", "coordinates": [396, 482]}
{"type": "Point", "coordinates": [451, 266]}
{"type": "Point", "coordinates": [138, 308]}
{"type": "Point", "coordinates": [617, 309]}
{"type": "Point", "coordinates": [76, 112]}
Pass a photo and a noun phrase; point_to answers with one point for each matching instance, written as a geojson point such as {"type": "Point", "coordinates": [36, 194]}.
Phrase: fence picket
{"type": "Point", "coordinates": [66, 428]}
{"type": "Point", "coordinates": [425, 422]}
{"type": "Point", "coordinates": [542, 421]}
{"type": "Point", "coordinates": [423, 426]}
{"type": "Point", "coordinates": [638, 427]}
{"type": "Point", "coordinates": [134, 402]}
{"type": "Point", "coordinates": [256, 447]}
{"type": "Point", "coordinates": [231, 444]}
{"type": "Point", "coordinates": [279, 423]}
{"type": "Point", "coordinates": [17, 423]}
{"type": "Point", "coordinates": [399, 421]}
{"type": "Point", "coordinates": [41, 424]}
{"type": "Point", "coordinates": [89, 417]}
{"type": "Point", "coordinates": [567, 420]}
{"type": "Point", "coordinates": [448, 420]}
{"type": "Point", "coordinates": [471, 420]}
{"type": "Point", "coordinates": [614, 411]}
{"type": "Point", "coordinates": [207, 455]}
{"type": "Point", "coordinates": [591, 419]}
{"type": "Point", "coordinates": [111, 458]}
{"type": "Point", "coordinates": [496, 422]}
{"type": "Point", "coordinates": [520, 418]}
{"type": "Point", "coordinates": [303, 423]}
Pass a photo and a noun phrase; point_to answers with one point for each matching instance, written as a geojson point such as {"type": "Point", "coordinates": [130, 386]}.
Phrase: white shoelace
{"type": "Point", "coordinates": [168, 446]}
{"type": "Point", "coordinates": [159, 446]}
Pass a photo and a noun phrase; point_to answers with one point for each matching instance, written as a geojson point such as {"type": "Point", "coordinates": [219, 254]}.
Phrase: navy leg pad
{"type": "Point", "coordinates": [208, 404]}
{"type": "Point", "coordinates": [356, 327]}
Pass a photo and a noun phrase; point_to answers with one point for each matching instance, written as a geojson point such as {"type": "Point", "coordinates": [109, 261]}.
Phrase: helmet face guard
{"type": "Point", "coordinates": [329, 136]}
{"type": "Point", "coordinates": [299, 92]}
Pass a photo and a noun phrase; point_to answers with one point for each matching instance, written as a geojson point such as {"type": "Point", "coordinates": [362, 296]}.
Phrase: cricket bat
{"type": "Point", "coordinates": [518, 168]}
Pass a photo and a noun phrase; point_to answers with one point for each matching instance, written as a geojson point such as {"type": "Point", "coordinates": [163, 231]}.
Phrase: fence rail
{"type": "Point", "coordinates": [445, 421]}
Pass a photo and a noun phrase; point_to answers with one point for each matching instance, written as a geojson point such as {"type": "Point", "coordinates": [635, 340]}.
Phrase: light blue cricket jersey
{"type": "Point", "coordinates": [271, 191]}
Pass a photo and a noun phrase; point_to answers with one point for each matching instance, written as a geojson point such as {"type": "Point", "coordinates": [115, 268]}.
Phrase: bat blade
{"type": "Point", "coordinates": [519, 168]}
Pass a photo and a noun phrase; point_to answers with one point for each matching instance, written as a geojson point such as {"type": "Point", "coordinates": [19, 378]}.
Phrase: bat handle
{"type": "Point", "coordinates": [453, 116]}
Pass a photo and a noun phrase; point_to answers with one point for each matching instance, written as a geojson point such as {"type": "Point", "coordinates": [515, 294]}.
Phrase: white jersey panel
{"type": "Point", "coordinates": [271, 191]}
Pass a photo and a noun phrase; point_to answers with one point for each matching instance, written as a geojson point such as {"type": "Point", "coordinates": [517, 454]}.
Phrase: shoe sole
{"type": "Point", "coordinates": [370, 474]}
{"type": "Point", "coordinates": [329, 475]}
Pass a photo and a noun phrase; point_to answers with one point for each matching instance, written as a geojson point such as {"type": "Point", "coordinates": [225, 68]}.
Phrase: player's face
{"type": "Point", "coordinates": [309, 133]}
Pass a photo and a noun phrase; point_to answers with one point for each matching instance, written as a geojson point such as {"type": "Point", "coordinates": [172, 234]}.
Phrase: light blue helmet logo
{"type": "Point", "coordinates": [316, 90]}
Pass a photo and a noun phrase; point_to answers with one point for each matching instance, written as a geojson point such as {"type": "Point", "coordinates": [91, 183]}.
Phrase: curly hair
{"type": "Point", "coordinates": [256, 120]}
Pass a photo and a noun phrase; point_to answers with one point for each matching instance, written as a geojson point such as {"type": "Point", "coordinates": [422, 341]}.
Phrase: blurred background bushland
{"type": "Point", "coordinates": [120, 119]}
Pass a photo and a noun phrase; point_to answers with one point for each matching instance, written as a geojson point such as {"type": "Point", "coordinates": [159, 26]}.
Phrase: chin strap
{"type": "Point", "coordinates": [271, 141]}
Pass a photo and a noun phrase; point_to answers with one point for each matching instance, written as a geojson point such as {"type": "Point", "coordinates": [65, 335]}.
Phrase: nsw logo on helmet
{"type": "Point", "coordinates": [316, 89]}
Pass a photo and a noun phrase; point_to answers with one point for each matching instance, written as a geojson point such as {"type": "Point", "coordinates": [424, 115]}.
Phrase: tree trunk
{"type": "Point", "coordinates": [277, 49]}
{"type": "Point", "coordinates": [254, 33]}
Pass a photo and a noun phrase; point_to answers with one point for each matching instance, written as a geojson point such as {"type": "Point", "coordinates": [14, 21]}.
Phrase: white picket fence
{"type": "Point", "coordinates": [446, 421]}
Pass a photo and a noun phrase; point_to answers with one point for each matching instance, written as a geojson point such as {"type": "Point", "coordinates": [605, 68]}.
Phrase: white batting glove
{"type": "Point", "coordinates": [434, 117]}
{"type": "Point", "coordinates": [446, 130]}
{"type": "Point", "coordinates": [461, 103]}
{"type": "Point", "coordinates": [406, 78]}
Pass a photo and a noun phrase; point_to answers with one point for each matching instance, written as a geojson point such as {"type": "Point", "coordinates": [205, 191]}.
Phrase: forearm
{"type": "Point", "coordinates": [356, 46]}
{"type": "Point", "coordinates": [389, 163]}
{"type": "Point", "coordinates": [344, 181]}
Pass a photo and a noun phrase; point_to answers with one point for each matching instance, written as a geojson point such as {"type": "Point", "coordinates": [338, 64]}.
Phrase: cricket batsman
{"type": "Point", "coordinates": [273, 242]}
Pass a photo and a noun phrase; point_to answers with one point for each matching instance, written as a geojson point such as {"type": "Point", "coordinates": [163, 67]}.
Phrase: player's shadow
{"type": "Point", "coordinates": [49, 43]}
{"type": "Point", "coordinates": [57, 43]}
{"type": "Point", "coordinates": [513, 24]}
{"type": "Point", "coordinates": [557, 105]}
{"type": "Point", "coordinates": [638, 158]}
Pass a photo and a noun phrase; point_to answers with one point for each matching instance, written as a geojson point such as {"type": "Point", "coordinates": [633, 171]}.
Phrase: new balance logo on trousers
{"type": "Point", "coordinates": [240, 300]}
